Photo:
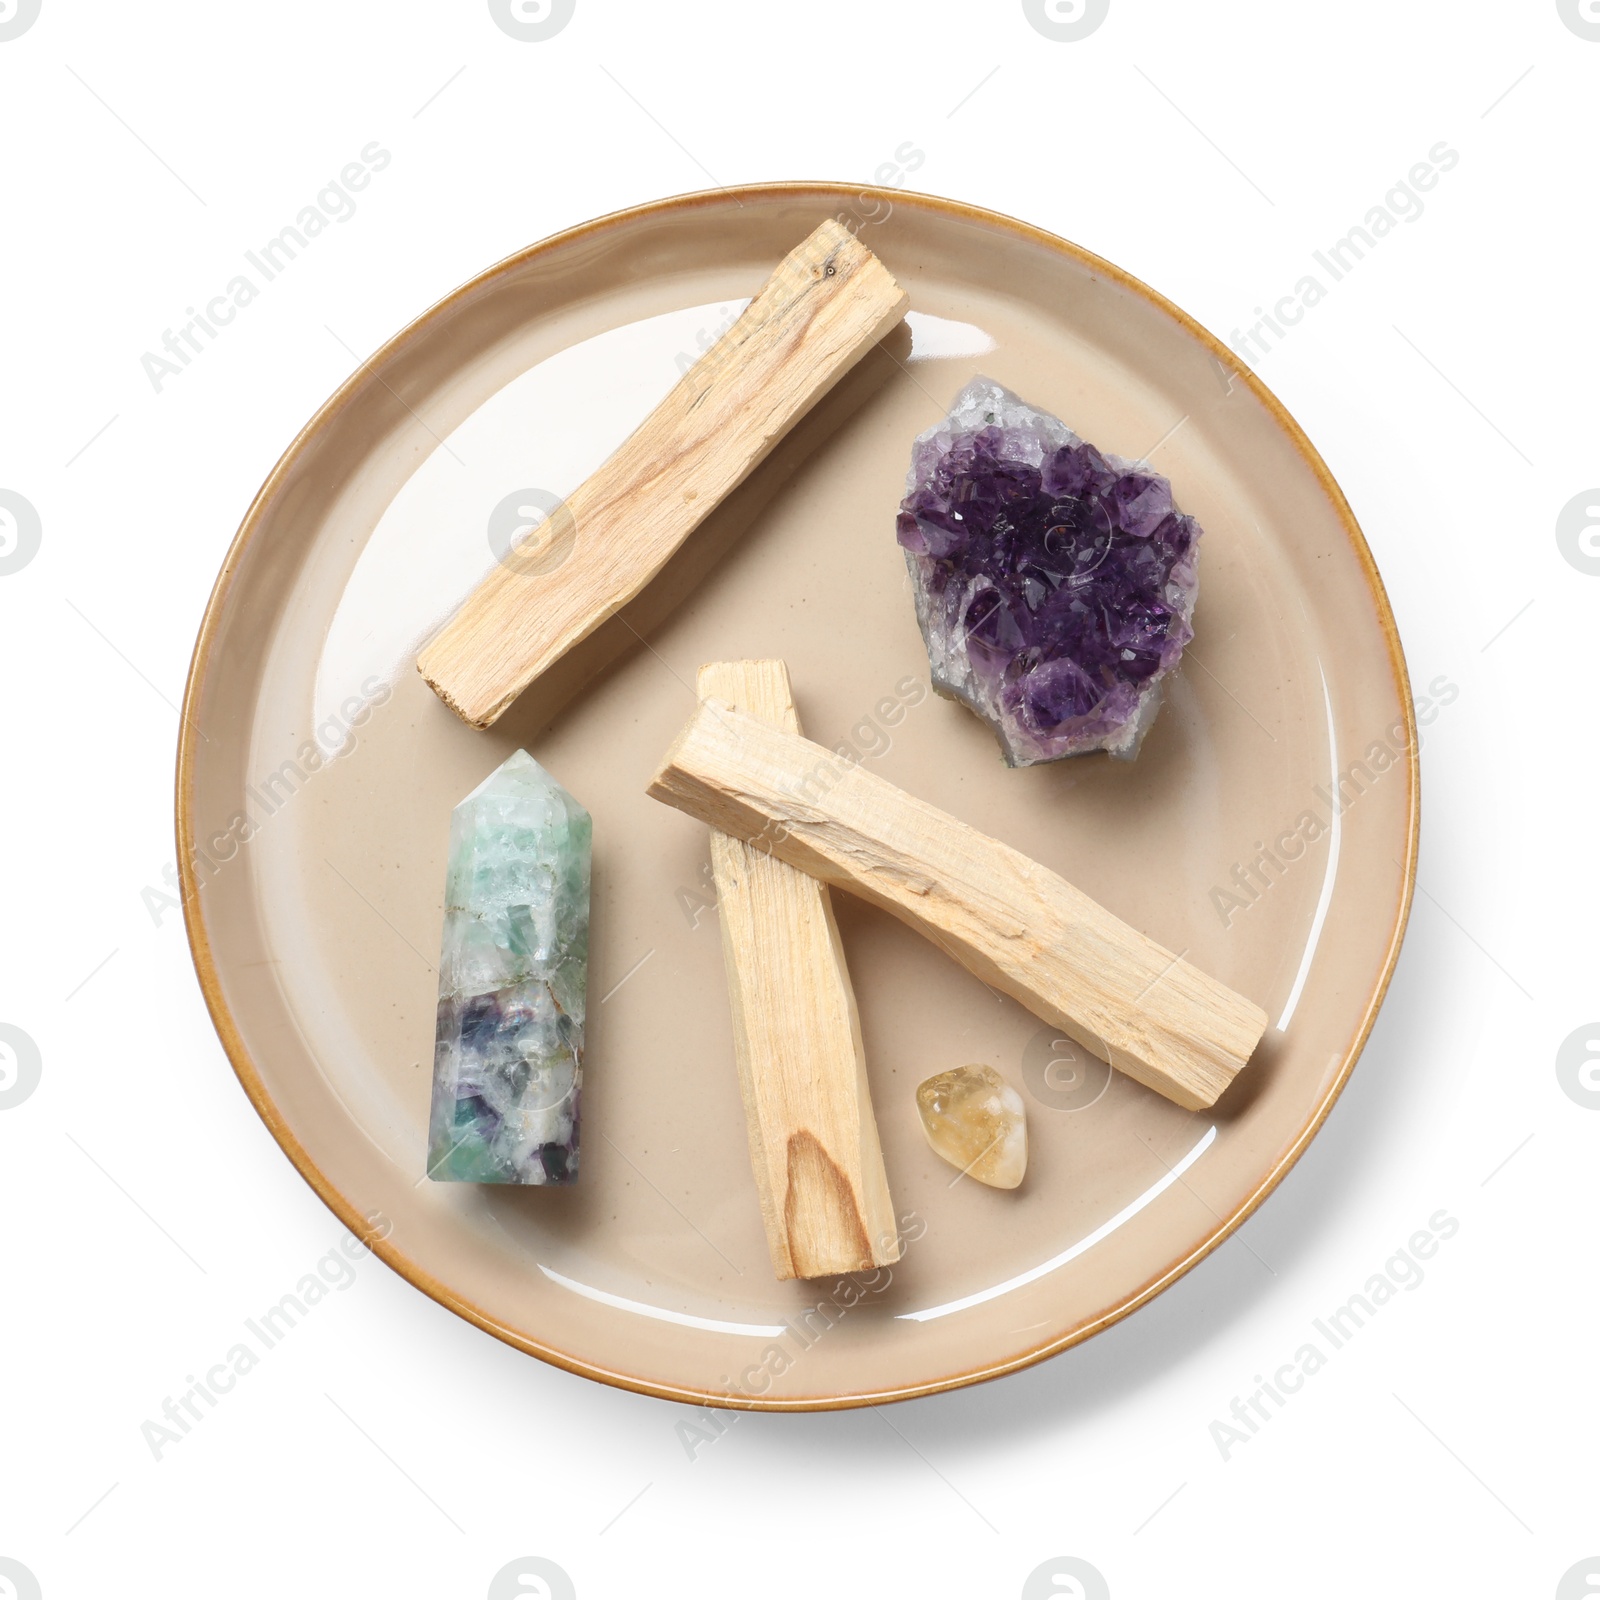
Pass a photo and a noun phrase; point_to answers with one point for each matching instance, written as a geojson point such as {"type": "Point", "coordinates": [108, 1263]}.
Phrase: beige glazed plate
{"type": "Point", "coordinates": [1267, 830]}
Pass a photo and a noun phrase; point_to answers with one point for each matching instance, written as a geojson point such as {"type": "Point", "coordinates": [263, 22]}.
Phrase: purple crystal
{"type": "Point", "coordinates": [1055, 586]}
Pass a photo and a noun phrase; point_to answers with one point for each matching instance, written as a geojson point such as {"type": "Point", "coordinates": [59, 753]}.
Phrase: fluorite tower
{"type": "Point", "coordinates": [508, 1056]}
{"type": "Point", "coordinates": [1055, 586]}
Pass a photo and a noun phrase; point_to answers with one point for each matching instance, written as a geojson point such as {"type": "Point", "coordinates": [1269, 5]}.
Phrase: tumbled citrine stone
{"type": "Point", "coordinates": [976, 1121]}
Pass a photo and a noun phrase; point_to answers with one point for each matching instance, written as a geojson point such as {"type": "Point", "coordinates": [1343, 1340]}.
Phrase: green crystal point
{"type": "Point", "coordinates": [513, 978]}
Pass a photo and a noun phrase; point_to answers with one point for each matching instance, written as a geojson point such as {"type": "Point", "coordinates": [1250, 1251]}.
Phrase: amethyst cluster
{"type": "Point", "coordinates": [1055, 586]}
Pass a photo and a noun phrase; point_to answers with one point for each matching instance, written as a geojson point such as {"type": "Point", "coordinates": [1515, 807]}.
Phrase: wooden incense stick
{"type": "Point", "coordinates": [1015, 924]}
{"type": "Point", "coordinates": [797, 1039]}
{"type": "Point", "coordinates": [829, 302]}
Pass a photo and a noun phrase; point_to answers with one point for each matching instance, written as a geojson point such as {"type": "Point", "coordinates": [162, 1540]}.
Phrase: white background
{"type": "Point", "coordinates": [389, 1448]}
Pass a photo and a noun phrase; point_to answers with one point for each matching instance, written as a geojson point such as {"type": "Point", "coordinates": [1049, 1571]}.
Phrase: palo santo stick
{"type": "Point", "coordinates": [797, 1039]}
{"type": "Point", "coordinates": [1010, 921]}
{"type": "Point", "coordinates": [827, 304]}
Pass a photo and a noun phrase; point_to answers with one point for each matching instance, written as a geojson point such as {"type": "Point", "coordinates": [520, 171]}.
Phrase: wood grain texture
{"type": "Point", "coordinates": [797, 1038]}
{"type": "Point", "coordinates": [828, 303]}
{"type": "Point", "coordinates": [1012, 922]}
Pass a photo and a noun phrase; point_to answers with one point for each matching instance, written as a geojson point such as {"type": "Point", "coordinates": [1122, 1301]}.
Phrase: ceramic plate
{"type": "Point", "coordinates": [1267, 830]}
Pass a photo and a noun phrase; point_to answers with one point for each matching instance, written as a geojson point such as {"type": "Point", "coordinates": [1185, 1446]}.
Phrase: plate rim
{"type": "Point", "coordinates": [205, 965]}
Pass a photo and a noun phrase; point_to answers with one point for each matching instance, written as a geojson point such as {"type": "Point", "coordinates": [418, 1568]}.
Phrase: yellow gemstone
{"type": "Point", "coordinates": [976, 1121]}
